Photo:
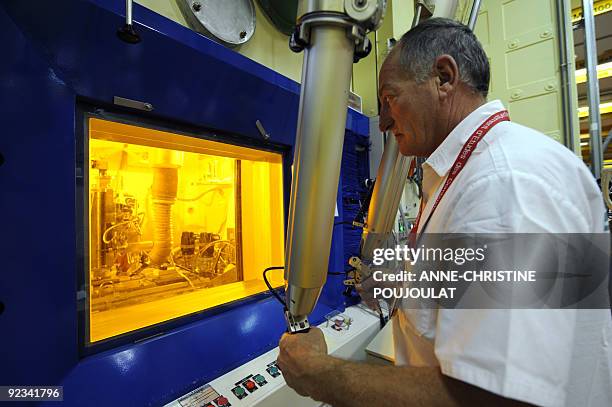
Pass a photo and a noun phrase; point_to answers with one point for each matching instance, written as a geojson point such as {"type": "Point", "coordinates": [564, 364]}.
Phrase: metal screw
{"type": "Point", "coordinates": [360, 3]}
{"type": "Point", "coordinates": [243, 34]}
{"type": "Point", "coordinates": [197, 6]}
{"type": "Point", "coordinates": [148, 106]}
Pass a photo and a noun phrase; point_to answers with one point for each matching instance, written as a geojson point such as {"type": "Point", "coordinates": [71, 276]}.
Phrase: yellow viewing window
{"type": "Point", "coordinates": [177, 225]}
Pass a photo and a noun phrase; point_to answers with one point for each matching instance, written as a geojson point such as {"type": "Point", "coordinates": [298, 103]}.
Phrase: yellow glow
{"type": "Point", "coordinates": [599, 7]}
{"type": "Point", "coordinates": [604, 108]}
{"type": "Point", "coordinates": [603, 71]}
{"type": "Point", "coordinates": [177, 225]}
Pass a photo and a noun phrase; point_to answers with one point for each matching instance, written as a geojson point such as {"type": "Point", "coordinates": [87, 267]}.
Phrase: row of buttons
{"type": "Point", "coordinates": [249, 385]}
{"type": "Point", "coordinates": [251, 382]}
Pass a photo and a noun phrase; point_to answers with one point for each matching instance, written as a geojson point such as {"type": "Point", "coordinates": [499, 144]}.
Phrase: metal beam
{"type": "Point", "coordinates": [590, 44]}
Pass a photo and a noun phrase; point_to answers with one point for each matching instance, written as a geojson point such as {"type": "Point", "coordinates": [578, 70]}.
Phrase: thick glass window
{"type": "Point", "coordinates": [176, 225]}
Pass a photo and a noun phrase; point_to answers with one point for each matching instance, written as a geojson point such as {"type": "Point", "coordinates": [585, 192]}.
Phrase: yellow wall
{"type": "Point", "coordinates": [520, 37]}
{"type": "Point", "coordinates": [532, 95]}
{"type": "Point", "coordinates": [268, 46]}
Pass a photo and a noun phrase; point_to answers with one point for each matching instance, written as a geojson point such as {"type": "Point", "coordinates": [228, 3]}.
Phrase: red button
{"type": "Point", "coordinates": [249, 385]}
{"type": "Point", "coordinates": [222, 401]}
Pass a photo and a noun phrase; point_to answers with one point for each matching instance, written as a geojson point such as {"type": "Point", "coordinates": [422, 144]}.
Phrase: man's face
{"type": "Point", "coordinates": [409, 110]}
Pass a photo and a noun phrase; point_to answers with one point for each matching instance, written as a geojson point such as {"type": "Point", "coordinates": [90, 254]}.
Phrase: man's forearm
{"type": "Point", "coordinates": [333, 380]}
{"type": "Point", "coordinates": [353, 384]}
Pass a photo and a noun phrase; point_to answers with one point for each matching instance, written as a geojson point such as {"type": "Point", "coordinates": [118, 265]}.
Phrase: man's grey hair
{"type": "Point", "coordinates": [419, 48]}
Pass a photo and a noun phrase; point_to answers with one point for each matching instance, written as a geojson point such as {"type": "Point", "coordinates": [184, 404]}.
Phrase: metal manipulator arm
{"type": "Point", "coordinates": [393, 169]}
{"type": "Point", "coordinates": [332, 34]}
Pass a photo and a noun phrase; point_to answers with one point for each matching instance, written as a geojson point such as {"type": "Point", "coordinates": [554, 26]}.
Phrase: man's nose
{"type": "Point", "coordinates": [386, 122]}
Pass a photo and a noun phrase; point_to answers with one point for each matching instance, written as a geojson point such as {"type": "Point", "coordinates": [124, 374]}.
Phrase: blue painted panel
{"type": "Point", "coordinates": [67, 50]}
{"type": "Point", "coordinates": [38, 280]}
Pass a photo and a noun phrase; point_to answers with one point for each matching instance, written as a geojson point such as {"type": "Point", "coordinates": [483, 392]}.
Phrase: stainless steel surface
{"type": "Point", "coordinates": [417, 14]}
{"type": "Point", "coordinates": [566, 64]}
{"type": "Point", "coordinates": [326, 75]}
{"type": "Point", "coordinates": [474, 14]}
{"type": "Point", "coordinates": [312, 6]}
{"type": "Point", "coordinates": [231, 22]}
{"type": "Point", "coordinates": [128, 12]}
{"type": "Point", "coordinates": [377, 146]}
{"type": "Point", "coordinates": [298, 324]}
{"type": "Point", "coordinates": [369, 12]}
{"type": "Point", "coordinates": [592, 88]}
{"type": "Point", "coordinates": [392, 171]}
{"type": "Point", "coordinates": [134, 104]}
{"type": "Point", "coordinates": [390, 181]}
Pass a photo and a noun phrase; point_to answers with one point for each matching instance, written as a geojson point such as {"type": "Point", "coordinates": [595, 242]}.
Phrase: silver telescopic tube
{"type": "Point", "coordinates": [417, 14]}
{"type": "Point", "coordinates": [128, 12]}
{"type": "Point", "coordinates": [592, 87]}
{"type": "Point", "coordinates": [474, 14]}
{"type": "Point", "coordinates": [392, 172]}
{"type": "Point", "coordinates": [390, 180]}
{"type": "Point", "coordinates": [326, 75]}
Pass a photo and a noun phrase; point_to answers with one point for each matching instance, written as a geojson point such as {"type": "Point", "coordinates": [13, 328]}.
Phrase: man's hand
{"type": "Point", "coordinates": [366, 289]}
{"type": "Point", "coordinates": [302, 357]}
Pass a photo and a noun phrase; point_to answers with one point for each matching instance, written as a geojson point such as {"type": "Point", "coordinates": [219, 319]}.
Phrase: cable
{"type": "Point", "coordinates": [127, 222]}
{"type": "Point", "coordinates": [196, 198]}
{"type": "Point", "coordinates": [272, 290]}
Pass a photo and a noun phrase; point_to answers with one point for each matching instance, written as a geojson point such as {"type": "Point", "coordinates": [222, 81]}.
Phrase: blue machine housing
{"type": "Point", "coordinates": [58, 55]}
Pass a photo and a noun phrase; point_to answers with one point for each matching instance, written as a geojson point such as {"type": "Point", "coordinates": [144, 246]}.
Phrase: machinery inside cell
{"type": "Point", "coordinates": [165, 226]}
{"type": "Point", "coordinates": [148, 240]}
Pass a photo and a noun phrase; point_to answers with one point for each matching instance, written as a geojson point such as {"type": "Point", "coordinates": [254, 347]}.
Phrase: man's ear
{"type": "Point", "coordinates": [447, 73]}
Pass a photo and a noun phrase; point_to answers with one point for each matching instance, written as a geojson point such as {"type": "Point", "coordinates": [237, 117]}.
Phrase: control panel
{"type": "Point", "coordinates": [204, 396]}
{"type": "Point", "coordinates": [260, 382]}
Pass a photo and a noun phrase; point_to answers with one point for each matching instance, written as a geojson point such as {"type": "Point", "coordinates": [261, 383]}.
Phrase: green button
{"type": "Point", "coordinates": [238, 391]}
{"type": "Point", "coordinates": [259, 378]}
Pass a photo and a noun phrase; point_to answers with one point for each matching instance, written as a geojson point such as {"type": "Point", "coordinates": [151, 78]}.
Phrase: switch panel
{"type": "Point", "coordinates": [260, 383]}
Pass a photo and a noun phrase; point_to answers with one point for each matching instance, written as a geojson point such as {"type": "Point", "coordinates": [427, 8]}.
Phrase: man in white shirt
{"type": "Point", "coordinates": [433, 89]}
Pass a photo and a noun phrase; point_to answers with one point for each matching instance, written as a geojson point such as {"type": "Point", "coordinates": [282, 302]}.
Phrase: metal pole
{"type": "Point", "coordinates": [590, 47]}
{"type": "Point", "coordinates": [390, 179]}
{"type": "Point", "coordinates": [474, 14]}
{"type": "Point", "coordinates": [128, 12]}
{"type": "Point", "coordinates": [392, 173]}
{"type": "Point", "coordinates": [566, 65]}
{"type": "Point", "coordinates": [417, 14]}
{"type": "Point", "coordinates": [127, 32]}
{"type": "Point", "coordinates": [326, 75]}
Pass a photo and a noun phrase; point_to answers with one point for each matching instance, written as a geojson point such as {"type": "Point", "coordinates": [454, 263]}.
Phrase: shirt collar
{"type": "Point", "coordinates": [444, 156]}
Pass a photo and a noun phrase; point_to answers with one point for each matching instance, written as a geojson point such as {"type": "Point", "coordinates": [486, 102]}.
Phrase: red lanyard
{"type": "Point", "coordinates": [458, 165]}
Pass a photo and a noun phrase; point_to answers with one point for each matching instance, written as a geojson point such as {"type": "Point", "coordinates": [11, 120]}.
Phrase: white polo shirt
{"type": "Point", "coordinates": [516, 181]}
